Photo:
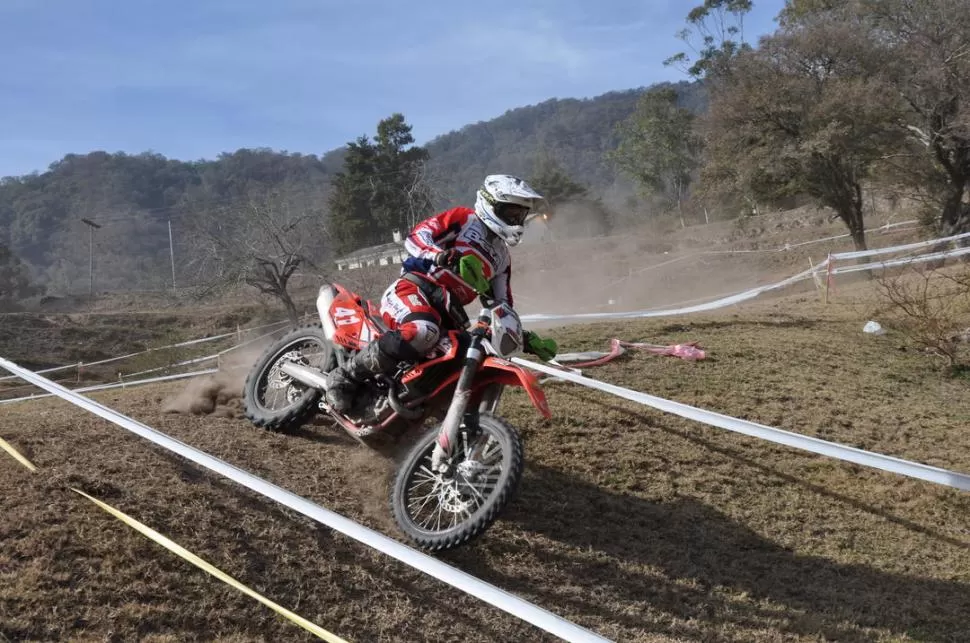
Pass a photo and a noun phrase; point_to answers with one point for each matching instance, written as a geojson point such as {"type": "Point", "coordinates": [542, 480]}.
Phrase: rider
{"type": "Point", "coordinates": [456, 255]}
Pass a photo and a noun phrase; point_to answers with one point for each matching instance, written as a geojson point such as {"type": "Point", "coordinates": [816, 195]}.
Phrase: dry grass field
{"type": "Point", "coordinates": [639, 525]}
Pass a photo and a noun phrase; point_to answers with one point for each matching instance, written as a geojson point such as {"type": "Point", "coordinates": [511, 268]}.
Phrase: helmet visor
{"type": "Point", "coordinates": [512, 213]}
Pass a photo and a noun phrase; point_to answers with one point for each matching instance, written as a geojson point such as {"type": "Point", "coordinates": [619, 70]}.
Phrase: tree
{"type": "Point", "coordinates": [569, 208]}
{"type": "Point", "coordinates": [260, 242]}
{"type": "Point", "coordinates": [926, 59]}
{"type": "Point", "coordinates": [658, 146]}
{"type": "Point", "coordinates": [715, 36]}
{"type": "Point", "coordinates": [350, 213]}
{"type": "Point", "coordinates": [381, 187]}
{"type": "Point", "coordinates": [922, 53]}
{"type": "Point", "coordinates": [577, 133]}
{"type": "Point", "coordinates": [15, 281]}
{"type": "Point", "coordinates": [800, 117]}
{"type": "Point", "coordinates": [930, 307]}
{"type": "Point", "coordinates": [133, 197]}
{"type": "Point", "coordinates": [396, 188]}
{"type": "Point", "coordinates": [797, 11]}
{"type": "Point", "coordinates": [421, 194]}
{"type": "Point", "coordinates": [552, 182]}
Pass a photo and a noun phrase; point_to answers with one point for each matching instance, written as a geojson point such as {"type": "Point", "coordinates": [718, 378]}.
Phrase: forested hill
{"type": "Point", "coordinates": [134, 196]}
{"type": "Point", "coordinates": [576, 133]}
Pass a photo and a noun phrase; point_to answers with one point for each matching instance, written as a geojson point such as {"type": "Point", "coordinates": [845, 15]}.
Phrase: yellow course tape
{"type": "Point", "coordinates": [177, 549]}
{"type": "Point", "coordinates": [16, 455]}
{"type": "Point", "coordinates": [189, 556]}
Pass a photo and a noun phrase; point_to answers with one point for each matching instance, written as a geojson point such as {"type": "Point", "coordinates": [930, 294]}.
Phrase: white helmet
{"type": "Point", "coordinates": [503, 203]}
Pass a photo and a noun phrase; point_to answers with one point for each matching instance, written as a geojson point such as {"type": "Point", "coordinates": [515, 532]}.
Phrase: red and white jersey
{"type": "Point", "coordinates": [459, 228]}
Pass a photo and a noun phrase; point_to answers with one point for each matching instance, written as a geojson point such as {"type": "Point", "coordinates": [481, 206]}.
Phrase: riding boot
{"type": "Point", "coordinates": [344, 382]}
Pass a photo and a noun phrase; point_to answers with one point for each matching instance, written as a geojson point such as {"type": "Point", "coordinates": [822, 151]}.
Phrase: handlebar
{"type": "Point", "coordinates": [482, 326]}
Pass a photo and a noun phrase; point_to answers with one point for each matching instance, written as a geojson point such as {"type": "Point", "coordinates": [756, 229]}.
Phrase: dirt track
{"type": "Point", "coordinates": [636, 524]}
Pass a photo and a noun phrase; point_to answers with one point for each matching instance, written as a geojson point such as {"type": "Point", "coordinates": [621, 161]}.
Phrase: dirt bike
{"type": "Point", "coordinates": [455, 479]}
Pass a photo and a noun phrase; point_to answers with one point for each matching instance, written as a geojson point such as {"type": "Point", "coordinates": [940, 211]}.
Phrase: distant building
{"type": "Point", "coordinates": [381, 255]}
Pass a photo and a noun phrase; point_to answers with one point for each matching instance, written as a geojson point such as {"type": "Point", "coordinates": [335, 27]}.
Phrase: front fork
{"type": "Point", "coordinates": [458, 409]}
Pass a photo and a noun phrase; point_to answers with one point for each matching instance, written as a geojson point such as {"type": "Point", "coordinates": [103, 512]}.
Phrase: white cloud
{"type": "Point", "coordinates": [520, 47]}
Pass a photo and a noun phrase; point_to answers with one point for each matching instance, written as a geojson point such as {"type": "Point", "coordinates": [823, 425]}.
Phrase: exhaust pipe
{"type": "Point", "coordinates": [315, 379]}
{"type": "Point", "coordinates": [308, 376]}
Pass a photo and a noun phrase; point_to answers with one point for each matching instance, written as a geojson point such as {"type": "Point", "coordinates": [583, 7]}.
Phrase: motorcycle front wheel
{"type": "Point", "coordinates": [439, 511]}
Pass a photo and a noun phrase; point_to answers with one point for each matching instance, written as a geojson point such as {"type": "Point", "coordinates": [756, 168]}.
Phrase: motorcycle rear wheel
{"type": "Point", "coordinates": [442, 511]}
{"type": "Point", "coordinates": [273, 400]}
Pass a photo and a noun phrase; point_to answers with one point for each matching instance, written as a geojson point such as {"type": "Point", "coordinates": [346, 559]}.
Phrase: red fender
{"type": "Point", "coordinates": [496, 370]}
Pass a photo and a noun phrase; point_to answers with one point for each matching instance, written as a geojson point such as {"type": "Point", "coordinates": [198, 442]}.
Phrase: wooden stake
{"type": "Point", "coordinates": [828, 278]}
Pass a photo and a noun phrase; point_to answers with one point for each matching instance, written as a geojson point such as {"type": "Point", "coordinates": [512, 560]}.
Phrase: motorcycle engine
{"type": "Point", "coordinates": [371, 407]}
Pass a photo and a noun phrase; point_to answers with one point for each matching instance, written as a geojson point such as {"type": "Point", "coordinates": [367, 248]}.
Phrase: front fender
{"type": "Point", "coordinates": [496, 370]}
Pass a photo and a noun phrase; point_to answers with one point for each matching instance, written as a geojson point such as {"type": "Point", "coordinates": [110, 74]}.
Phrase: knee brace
{"type": "Point", "coordinates": [421, 334]}
{"type": "Point", "coordinates": [410, 341]}
{"type": "Point", "coordinates": [396, 345]}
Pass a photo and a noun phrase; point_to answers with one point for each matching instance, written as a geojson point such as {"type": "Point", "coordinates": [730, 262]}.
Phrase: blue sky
{"type": "Point", "coordinates": [192, 78]}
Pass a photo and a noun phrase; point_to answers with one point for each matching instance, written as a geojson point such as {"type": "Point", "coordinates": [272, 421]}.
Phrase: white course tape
{"type": "Point", "coordinates": [207, 358]}
{"type": "Point", "coordinates": [711, 305]}
{"type": "Point", "coordinates": [771, 434]}
{"type": "Point", "coordinates": [501, 599]}
{"type": "Point", "coordinates": [903, 261]}
{"type": "Point", "coordinates": [121, 357]}
{"type": "Point", "coordinates": [188, 362]}
{"type": "Point", "coordinates": [236, 347]}
{"type": "Point", "coordinates": [884, 228]}
{"type": "Point", "coordinates": [105, 387]}
{"type": "Point", "coordinates": [788, 246]}
{"type": "Point", "coordinates": [109, 360]}
{"type": "Point", "coordinates": [151, 380]}
{"type": "Point", "coordinates": [858, 254]}
{"type": "Point", "coordinates": [215, 356]}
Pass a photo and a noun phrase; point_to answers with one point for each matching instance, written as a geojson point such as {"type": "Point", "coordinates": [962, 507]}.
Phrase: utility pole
{"type": "Point", "coordinates": [92, 226]}
{"type": "Point", "coordinates": [171, 253]}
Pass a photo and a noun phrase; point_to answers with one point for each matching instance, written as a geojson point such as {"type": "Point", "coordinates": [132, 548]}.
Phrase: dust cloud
{"type": "Point", "coordinates": [573, 263]}
{"type": "Point", "coordinates": [219, 394]}
{"type": "Point", "coordinates": [559, 269]}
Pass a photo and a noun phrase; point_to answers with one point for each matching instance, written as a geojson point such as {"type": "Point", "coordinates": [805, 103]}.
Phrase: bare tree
{"type": "Point", "coordinates": [422, 194]}
{"type": "Point", "coordinates": [931, 308]}
{"type": "Point", "coordinates": [260, 243]}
